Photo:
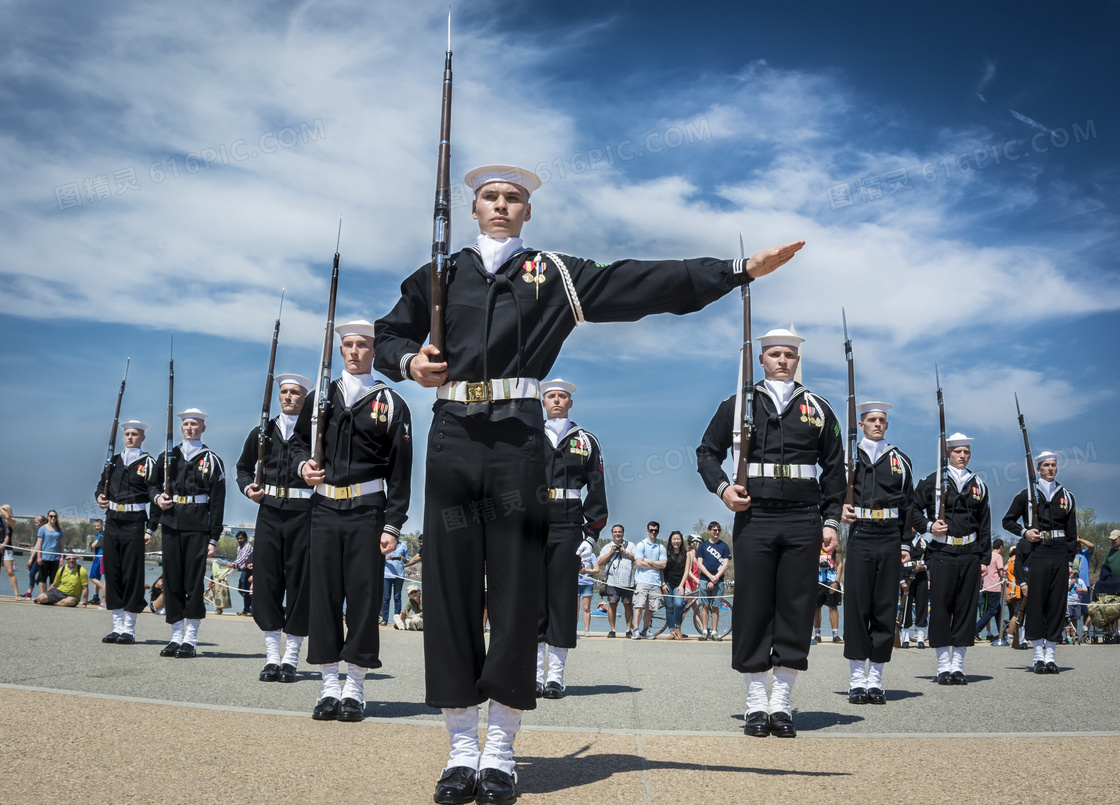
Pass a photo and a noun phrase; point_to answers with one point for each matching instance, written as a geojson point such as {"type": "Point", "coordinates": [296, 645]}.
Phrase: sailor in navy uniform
{"type": "Point", "coordinates": [577, 512]}
{"type": "Point", "coordinates": [785, 517]}
{"type": "Point", "coordinates": [880, 524]}
{"type": "Point", "coordinates": [1047, 547]}
{"type": "Point", "coordinates": [283, 531]}
{"type": "Point", "coordinates": [191, 524]}
{"type": "Point", "coordinates": [360, 503]}
{"type": "Point", "coordinates": [953, 556]}
{"type": "Point", "coordinates": [128, 528]}
{"type": "Point", "coordinates": [508, 311]}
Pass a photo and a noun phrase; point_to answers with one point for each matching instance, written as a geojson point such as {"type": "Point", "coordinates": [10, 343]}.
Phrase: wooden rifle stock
{"type": "Point", "coordinates": [323, 390]}
{"type": "Point", "coordinates": [441, 225]}
{"type": "Point", "coordinates": [746, 392]}
{"type": "Point", "coordinates": [851, 494]}
{"type": "Point", "coordinates": [266, 410]}
{"type": "Point", "coordinates": [113, 434]}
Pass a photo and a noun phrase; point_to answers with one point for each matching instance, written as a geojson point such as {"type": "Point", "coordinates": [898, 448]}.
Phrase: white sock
{"type": "Point", "coordinates": [556, 659]}
{"type": "Point", "coordinates": [331, 687]}
{"type": "Point", "coordinates": [756, 692]}
{"type": "Point", "coordinates": [118, 621]}
{"type": "Point", "coordinates": [859, 676]}
{"type": "Point", "coordinates": [190, 631]}
{"type": "Point", "coordinates": [875, 675]}
{"type": "Point", "coordinates": [130, 623]}
{"type": "Point", "coordinates": [462, 729]}
{"type": "Point", "coordinates": [958, 659]}
{"type": "Point", "coordinates": [905, 636]}
{"type": "Point", "coordinates": [177, 632]}
{"type": "Point", "coordinates": [944, 659]}
{"type": "Point", "coordinates": [542, 662]}
{"type": "Point", "coordinates": [921, 635]}
{"type": "Point", "coordinates": [272, 648]}
{"type": "Point", "coordinates": [291, 650]}
{"type": "Point", "coordinates": [1039, 652]}
{"type": "Point", "coordinates": [1049, 650]}
{"type": "Point", "coordinates": [781, 689]}
{"type": "Point", "coordinates": [502, 729]}
{"type": "Point", "coordinates": [355, 683]}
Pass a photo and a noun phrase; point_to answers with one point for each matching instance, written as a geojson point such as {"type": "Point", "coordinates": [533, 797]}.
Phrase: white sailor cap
{"type": "Point", "coordinates": [502, 173]}
{"type": "Point", "coordinates": [133, 423]}
{"type": "Point", "coordinates": [558, 385]}
{"type": "Point", "coordinates": [779, 338]}
{"type": "Point", "coordinates": [958, 439]}
{"type": "Point", "coordinates": [192, 413]}
{"type": "Point", "coordinates": [1045, 455]}
{"type": "Point", "coordinates": [357, 327]}
{"type": "Point", "coordinates": [873, 405]}
{"type": "Point", "coordinates": [290, 379]}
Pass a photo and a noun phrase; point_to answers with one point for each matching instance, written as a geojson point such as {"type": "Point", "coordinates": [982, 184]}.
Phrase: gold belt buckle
{"type": "Point", "coordinates": [552, 494]}
{"type": "Point", "coordinates": [878, 514]}
{"type": "Point", "coordinates": [782, 471]}
{"type": "Point", "coordinates": [478, 392]}
{"type": "Point", "coordinates": [281, 492]}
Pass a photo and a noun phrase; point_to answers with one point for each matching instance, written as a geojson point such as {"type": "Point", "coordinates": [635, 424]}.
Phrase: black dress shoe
{"type": "Point", "coordinates": [758, 724]}
{"type": "Point", "coordinates": [1039, 667]}
{"type": "Point", "coordinates": [270, 673]}
{"type": "Point", "coordinates": [287, 673]}
{"type": "Point", "coordinates": [553, 690]}
{"type": "Point", "coordinates": [326, 709]}
{"type": "Point", "coordinates": [944, 678]}
{"type": "Point", "coordinates": [185, 652]}
{"type": "Point", "coordinates": [456, 786]}
{"type": "Point", "coordinates": [540, 690]}
{"type": "Point", "coordinates": [495, 787]}
{"type": "Point", "coordinates": [857, 696]}
{"type": "Point", "coordinates": [958, 678]}
{"type": "Point", "coordinates": [876, 696]}
{"type": "Point", "coordinates": [1052, 668]}
{"type": "Point", "coordinates": [921, 644]}
{"type": "Point", "coordinates": [112, 637]}
{"type": "Point", "coordinates": [169, 650]}
{"type": "Point", "coordinates": [781, 725]}
{"type": "Point", "coordinates": [126, 640]}
{"type": "Point", "coordinates": [351, 710]}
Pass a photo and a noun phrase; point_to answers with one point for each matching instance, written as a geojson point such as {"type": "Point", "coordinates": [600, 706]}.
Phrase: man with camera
{"type": "Point", "coordinates": [618, 559]}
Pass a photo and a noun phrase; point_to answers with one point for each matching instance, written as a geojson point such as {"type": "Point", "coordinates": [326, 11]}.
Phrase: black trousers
{"type": "Point", "coordinates": [122, 562]}
{"type": "Point", "coordinates": [872, 572]}
{"type": "Point", "coordinates": [346, 565]}
{"type": "Point", "coordinates": [954, 583]}
{"type": "Point", "coordinates": [483, 513]}
{"type": "Point", "coordinates": [776, 556]}
{"type": "Point", "coordinates": [280, 569]}
{"type": "Point", "coordinates": [184, 572]}
{"type": "Point", "coordinates": [556, 624]}
{"type": "Point", "coordinates": [1047, 588]}
{"type": "Point", "coordinates": [917, 607]}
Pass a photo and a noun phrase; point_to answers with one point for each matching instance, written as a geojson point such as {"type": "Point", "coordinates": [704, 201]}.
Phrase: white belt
{"type": "Point", "coordinates": [877, 514]}
{"type": "Point", "coordinates": [352, 491]}
{"type": "Point", "coordinates": [286, 492]}
{"type": "Point", "coordinates": [182, 499]}
{"type": "Point", "coordinates": [506, 388]}
{"type": "Point", "coordinates": [956, 540]}
{"type": "Point", "coordinates": [782, 470]}
{"type": "Point", "coordinates": [563, 494]}
{"type": "Point", "coordinates": [126, 507]}
{"type": "Point", "coordinates": [1059, 534]}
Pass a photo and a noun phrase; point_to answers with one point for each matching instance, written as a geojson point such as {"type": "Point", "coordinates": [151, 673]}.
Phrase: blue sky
{"type": "Point", "coordinates": [952, 168]}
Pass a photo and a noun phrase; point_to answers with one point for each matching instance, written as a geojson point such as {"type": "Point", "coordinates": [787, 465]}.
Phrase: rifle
{"type": "Point", "coordinates": [113, 434]}
{"type": "Point", "coordinates": [942, 452]}
{"type": "Point", "coordinates": [266, 410]}
{"type": "Point", "coordinates": [1032, 475]}
{"type": "Point", "coordinates": [902, 617]}
{"type": "Point", "coordinates": [745, 420]}
{"type": "Point", "coordinates": [322, 401]}
{"type": "Point", "coordinates": [850, 499]}
{"type": "Point", "coordinates": [170, 421]}
{"type": "Point", "coordinates": [441, 225]}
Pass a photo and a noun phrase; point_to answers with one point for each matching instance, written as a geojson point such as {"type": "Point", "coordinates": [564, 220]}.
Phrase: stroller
{"type": "Point", "coordinates": [217, 591]}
